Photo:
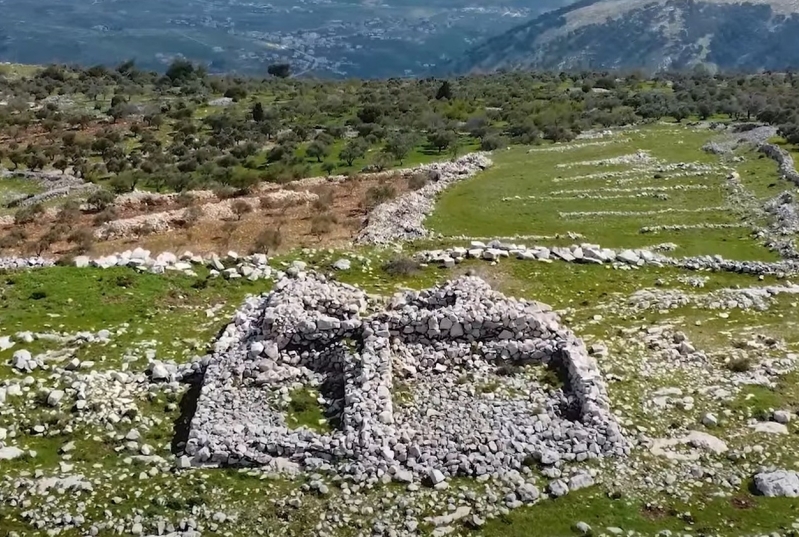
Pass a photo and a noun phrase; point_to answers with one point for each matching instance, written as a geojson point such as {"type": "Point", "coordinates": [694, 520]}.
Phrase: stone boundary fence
{"type": "Point", "coordinates": [784, 161]}
{"type": "Point", "coordinates": [402, 219]}
{"type": "Point", "coordinates": [55, 185]}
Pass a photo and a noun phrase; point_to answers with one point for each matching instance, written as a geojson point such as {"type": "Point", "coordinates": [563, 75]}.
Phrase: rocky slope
{"type": "Point", "coordinates": [653, 35]}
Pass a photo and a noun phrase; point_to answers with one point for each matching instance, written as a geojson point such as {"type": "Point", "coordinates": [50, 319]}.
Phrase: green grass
{"type": "Point", "coordinates": [169, 311]}
{"type": "Point", "coordinates": [741, 514]}
{"type": "Point", "coordinates": [11, 188]}
{"type": "Point", "coordinates": [305, 411]}
{"type": "Point", "coordinates": [146, 311]}
{"type": "Point", "coordinates": [471, 207]}
{"type": "Point", "coordinates": [761, 400]}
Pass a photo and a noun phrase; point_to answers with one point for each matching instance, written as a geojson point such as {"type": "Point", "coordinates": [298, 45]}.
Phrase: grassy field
{"type": "Point", "coordinates": [168, 314]}
{"type": "Point", "coordinates": [175, 317]}
{"type": "Point", "coordinates": [536, 192]}
{"type": "Point", "coordinates": [11, 188]}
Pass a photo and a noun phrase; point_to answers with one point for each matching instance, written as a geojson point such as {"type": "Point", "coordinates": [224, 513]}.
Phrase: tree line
{"type": "Point", "coordinates": [128, 128]}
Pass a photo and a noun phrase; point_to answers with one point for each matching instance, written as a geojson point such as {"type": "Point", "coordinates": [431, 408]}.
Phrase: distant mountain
{"type": "Point", "coordinates": [648, 34]}
{"type": "Point", "coordinates": [326, 38]}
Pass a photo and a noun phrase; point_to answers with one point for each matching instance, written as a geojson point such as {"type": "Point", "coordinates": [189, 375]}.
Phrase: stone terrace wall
{"type": "Point", "coordinates": [402, 219]}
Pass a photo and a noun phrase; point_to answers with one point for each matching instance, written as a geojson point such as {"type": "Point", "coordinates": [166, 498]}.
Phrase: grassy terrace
{"type": "Point", "coordinates": [476, 207]}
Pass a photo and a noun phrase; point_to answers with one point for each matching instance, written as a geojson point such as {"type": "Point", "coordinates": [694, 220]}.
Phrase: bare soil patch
{"type": "Point", "coordinates": [333, 219]}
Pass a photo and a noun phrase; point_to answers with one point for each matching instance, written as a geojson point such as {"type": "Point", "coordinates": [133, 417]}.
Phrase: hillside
{"type": "Point", "coordinates": [332, 39]}
{"type": "Point", "coordinates": [289, 307]}
{"type": "Point", "coordinates": [654, 35]}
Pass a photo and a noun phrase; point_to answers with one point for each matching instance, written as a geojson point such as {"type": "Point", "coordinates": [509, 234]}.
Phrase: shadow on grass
{"type": "Point", "coordinates": [188, 406]}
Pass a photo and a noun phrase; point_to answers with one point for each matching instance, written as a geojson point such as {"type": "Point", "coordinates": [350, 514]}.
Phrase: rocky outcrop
{"type": "Point", "coordinates": [778, 483]}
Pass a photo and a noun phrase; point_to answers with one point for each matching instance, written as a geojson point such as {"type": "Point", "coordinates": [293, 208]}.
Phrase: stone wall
{"type": "Point", "coordinates": [55, 185]}
{"type": "Point", "coordinates": [308, 331]}
{"type": "Point", "coordinates": [784, 161]}
{"type": "Point", "coordinates": [626, 259]}
{"type": "Point", "coordinates": [403, 218]}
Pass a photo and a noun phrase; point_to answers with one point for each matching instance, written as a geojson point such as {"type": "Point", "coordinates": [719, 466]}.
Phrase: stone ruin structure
{"type": "Point", "coordinates": [358, 350]}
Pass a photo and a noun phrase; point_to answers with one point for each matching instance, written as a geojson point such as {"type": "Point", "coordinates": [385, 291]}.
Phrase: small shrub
{"type": "Point", "coordinates": [267, 241]}
{"type": "Point", "coordinates": [83, 238]}
{"type": "Point", "coordinates": [225, 193]}
{"type": "Point", "coordinates": [324, 199]}
{"type": "Point", "coordinates": [322, 224]}
{"type": "Point", "coordinates": [240, 208]}
{"type": "Point", "coordinates": [105, 216]}
{"type": "Point", "coordinates": [201, 283]}
{"type": "Point", "coordinates": [301, 403]}
{"type": "Point", "coordinates": [464, 379]}
{"type": "Point", "coordinates": [378, 194]}
{"type": "Point", "coordinates": [145, 229]}
{"type": "Point", "coordinates": [150, 202]}
{"type": "Point", "coordinates": [124, 280]}
{"type": "Point", "coordinates": [328, 167]}
{"type": "Point", "coordinates": [175, 504]}
{"type": "Point", "coordinates": [191, 216]}
{"type": "Point", "coordinates": [418, 180]}
{"type": "Point", "coordinates": [68, 213]}
{"type": "Point", "coordinates": [401, 266]}
{"type": "Point", "coordinates": [739, 365]}
{"type": "Point", "coordinates": [15, 237]}
{"type": "Point", "coordinates": [267, 204]}
{"type": "Point", "coordinates": [488, 387]}
{"type": "Point", "coordinates": [27, 215]}
{"type": "Point", "coordinates": [43, 244]}
{"type": "Point", "coordinates": [551, 377]}
{"type": "Point", "coordinates": [508, 370]}
{"type": "Point", "coordinates": [121, 184]}
{"type": "Point", "coordinates": [184, 199]}
{"type": "Point", "coordinates": [228, 229]}
{"type": "Point", "coordinates": [491, 143]}
{"type": "Point", "coordinates": [66, 260]}
{"type": "Point", "coordinates": [38, 295]}
{"type": "Point", "coordinates": [100, 199]}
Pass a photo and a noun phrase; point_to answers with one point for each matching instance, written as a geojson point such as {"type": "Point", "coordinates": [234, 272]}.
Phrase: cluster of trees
{"type": "Point", "coordinates": [131, 128]}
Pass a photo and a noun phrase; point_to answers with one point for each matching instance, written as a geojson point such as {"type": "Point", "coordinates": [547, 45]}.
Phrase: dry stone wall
{"type": "Point", "coordinates": [403, 218]}
{"type": "Point", "coordinates": [309, 331]}
{"type": "Point", "coordinates": [626, 259]}
{"type": "Point", "coordinates": [784, 161]}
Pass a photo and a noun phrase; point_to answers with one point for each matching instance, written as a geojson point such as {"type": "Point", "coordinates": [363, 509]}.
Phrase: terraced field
{"type": "Point", "coordinates": [700, 366]}
{"type": "Point", "coordinates": [610, 191]}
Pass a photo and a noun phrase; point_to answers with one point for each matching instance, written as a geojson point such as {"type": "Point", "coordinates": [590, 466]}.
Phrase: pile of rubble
{"type": "Point", "coordinates": [18, 263]}
{"type": "Point", "coordinates": [402, 219]}
{"type": "Point", "coordinates": [357, 350]}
